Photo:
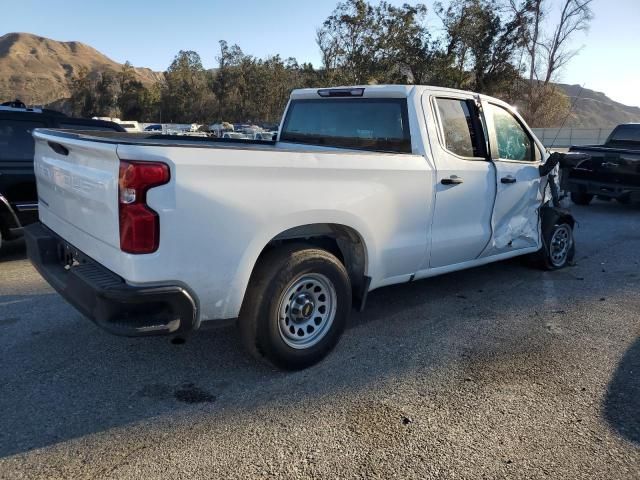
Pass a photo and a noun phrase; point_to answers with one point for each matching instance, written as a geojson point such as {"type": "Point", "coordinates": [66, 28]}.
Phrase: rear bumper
{"type": "Point", "coordinates": [601, 188]}
{"type": "Point", "coordinates": [105, 297]}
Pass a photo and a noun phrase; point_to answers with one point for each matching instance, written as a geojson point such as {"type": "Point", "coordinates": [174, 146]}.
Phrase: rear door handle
{"type": "Point", "coordinates": [508, 179]}
{"type": "Point", "coordinates": [452, 180]}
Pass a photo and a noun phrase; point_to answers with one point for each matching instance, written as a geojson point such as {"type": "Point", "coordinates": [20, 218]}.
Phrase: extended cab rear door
{"type": "Point", "coordinates": [516, 158]}
{"type": "Point", "coordinates": [465, 179]}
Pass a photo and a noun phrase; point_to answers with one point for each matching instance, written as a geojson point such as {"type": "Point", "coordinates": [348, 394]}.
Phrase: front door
{"type": "Point", "coordinates": [465, 181]}
{"type": "Point", "coordinates": [519, 197]}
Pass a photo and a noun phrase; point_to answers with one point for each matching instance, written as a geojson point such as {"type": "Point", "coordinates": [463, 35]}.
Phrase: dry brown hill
{"type": "Point", "coordinates": [595, 109]}
{"type": "Point", "coordinates": [37, 70]}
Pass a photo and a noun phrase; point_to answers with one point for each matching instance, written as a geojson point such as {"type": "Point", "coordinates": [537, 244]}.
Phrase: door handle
{"type": "Point", "coordinates": [508, 179]}
{"type": "Point", "coordinates": [452, 180]}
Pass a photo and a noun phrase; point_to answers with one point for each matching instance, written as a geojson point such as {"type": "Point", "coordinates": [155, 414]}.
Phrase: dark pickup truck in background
{"type": "Point", "coordinates": [18, 196]}
{"type": "Point", "coordinates": [611, 171]}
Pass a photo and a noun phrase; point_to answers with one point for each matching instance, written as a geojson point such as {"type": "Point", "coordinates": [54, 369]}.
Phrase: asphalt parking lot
{"type": "Point", "coordinates": [498, 372]}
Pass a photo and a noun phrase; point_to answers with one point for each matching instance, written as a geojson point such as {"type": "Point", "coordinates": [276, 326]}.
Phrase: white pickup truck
{"type": "Point", "coordinates": [364, 187]}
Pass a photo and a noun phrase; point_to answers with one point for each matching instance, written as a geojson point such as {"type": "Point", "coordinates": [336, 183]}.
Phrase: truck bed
{"type": "Point", "coordinates": [159, 140]}
{"type": "Point", "coordinates": [225, 200]}
{"type": "Point", "coordinates": [156, 139]}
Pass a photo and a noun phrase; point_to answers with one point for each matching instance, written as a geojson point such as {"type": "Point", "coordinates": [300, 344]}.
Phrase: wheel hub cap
{"type": "Point", "coordinates": [306, 310]}
{"type": "Point", "coordinates": [561, 243]}
{"type": "Point", "coordinates": [302, 307]}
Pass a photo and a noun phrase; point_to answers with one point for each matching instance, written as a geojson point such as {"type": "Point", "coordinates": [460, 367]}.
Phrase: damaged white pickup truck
{"type": "Point", "coordinates": [365, 187]}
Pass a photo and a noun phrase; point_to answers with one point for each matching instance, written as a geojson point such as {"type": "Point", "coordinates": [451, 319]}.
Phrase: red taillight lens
{"type": "Point", "coordinates": [139, 224]}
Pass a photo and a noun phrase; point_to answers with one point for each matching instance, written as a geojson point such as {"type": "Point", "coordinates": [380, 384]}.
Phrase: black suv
{"type": "Point", "coordinates": [18, 196]}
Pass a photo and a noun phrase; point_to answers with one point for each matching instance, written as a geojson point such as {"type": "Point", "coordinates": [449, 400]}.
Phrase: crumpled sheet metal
{"type": "Point", "coordinates": [520, 228]}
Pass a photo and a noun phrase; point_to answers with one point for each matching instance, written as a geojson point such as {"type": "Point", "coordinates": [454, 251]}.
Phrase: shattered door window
{"type": "Point", "coordinates": [457, 127]}
{"type": "Point", "coordinates": [513, 141]}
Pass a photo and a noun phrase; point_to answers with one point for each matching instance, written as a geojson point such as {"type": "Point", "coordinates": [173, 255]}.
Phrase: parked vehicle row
{"type": "Point", "coordinates": [365, 187]}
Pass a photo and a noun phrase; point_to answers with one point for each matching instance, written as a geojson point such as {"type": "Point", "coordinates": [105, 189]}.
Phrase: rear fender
{"type": "Point", "coordinates": [278, 226]}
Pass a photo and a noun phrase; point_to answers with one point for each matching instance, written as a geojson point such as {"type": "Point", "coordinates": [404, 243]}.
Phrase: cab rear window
{"type": "Point", "coordinates": [361, 123]}
{"type": "Point", "coordinates": [626, 134]}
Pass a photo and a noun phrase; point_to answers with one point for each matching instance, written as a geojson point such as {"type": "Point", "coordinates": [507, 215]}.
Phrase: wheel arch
{"type": "Point", "coordinates": [552, 215]}
{"type": "Point", "coordinates": [353, 248]}
{"type": "Point", "coordinates": [345, 242]}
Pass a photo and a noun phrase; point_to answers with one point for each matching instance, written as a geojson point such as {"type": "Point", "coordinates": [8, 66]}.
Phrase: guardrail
{"type": "Point", "coordinates": [565, 137]}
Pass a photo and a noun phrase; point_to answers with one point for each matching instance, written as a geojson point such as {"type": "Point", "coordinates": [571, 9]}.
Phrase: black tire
{"type": "Point", "coordinates": [580, 198]}
{"type": "Point", "coordinates": [624, 200]}
{"type": "Point", "coordinates": [277, 272]}
{"type": "Point", "coordinates": [547, 258]}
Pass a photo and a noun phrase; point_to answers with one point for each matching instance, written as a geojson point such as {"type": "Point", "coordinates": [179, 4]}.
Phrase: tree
{"type": "Point", "coordinates": [503, 48]}
{"type": "Point", "coordinates": [361, 43]}
{"type": "Point", "coordinates": [83, 97]}
{"type": "Point", "coordinates": [576, 15]}
{"type": "Point", "coordinates": [186, 93]}
{"type": "Point", "coordinates": [482, 43]}
{"type": "Point", "coordinates": [547, 53]}
{"type": "Point", "coordinates": [225, 82]}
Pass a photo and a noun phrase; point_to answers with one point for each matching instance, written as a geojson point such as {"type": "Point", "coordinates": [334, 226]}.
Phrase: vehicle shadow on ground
{"type": "Point", "coordinates": [622, 402]}
{"type": "Point", "coordinates": [63, 378]}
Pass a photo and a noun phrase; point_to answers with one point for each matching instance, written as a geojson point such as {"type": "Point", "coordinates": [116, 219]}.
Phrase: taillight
{"type": "Point", "coordinates": [139, 224]}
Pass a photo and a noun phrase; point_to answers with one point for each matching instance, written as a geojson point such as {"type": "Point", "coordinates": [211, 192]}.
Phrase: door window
{"type": "Point", "coordinates": [514, 143]}
{"type": "Point", "coordinates": [16, 142]}
{"type": "Point", "coordinates": [458, 127]}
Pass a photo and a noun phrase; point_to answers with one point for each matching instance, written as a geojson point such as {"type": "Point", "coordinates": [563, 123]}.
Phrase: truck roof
{"type": "Point", "coordinates": [373, 91]}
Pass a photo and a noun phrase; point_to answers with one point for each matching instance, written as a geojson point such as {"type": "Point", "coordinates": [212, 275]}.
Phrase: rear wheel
{"type": "Point", "coordinates": [296, 306]}
{"type": "Point", "coordinates": [580, 198]}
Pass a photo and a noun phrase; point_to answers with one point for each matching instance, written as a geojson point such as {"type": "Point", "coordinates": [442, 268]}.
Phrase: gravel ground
{"type": "Point", "coordinates": [497, 372]}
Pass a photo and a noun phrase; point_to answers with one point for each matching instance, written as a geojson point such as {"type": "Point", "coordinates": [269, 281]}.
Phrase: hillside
{"type": "Point", "coordinates": [595, 109]}
{"type": "Point", "coordinates": [37, 70]}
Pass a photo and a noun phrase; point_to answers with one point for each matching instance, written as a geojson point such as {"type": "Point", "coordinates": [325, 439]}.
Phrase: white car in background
{"type": "Point", "coordinates": [130, 126]}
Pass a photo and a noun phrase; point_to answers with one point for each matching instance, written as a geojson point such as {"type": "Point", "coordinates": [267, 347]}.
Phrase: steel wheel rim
{"type": "Point", "coordinates": [306, 310]}
{"type": "Point", "coordinates": [561, 242]}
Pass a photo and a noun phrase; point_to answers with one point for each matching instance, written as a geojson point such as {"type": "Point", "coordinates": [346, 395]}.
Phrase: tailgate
{"type": "Point", "coordinates": [77, 186]}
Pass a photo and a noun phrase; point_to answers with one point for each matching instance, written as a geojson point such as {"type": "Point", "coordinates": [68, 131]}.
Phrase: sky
{"type": "Point", "coordinates": [150, 33]}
